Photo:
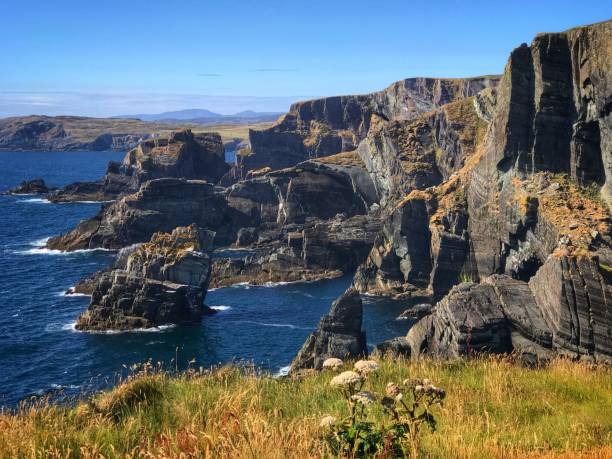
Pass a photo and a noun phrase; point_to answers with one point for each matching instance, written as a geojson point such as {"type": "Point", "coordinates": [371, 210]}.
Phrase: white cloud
{"type": "Point", "coordinates": [16, 103]}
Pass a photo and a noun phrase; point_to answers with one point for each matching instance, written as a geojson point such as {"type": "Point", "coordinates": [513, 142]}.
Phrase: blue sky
{"type": "Point", "coordinates": [108, 57]}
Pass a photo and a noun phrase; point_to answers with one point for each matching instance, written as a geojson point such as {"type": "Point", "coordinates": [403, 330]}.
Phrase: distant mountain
{"type": "Point", "coordinates": [181, 115]}
{"type": "Point", "coordinates": [202, 116]}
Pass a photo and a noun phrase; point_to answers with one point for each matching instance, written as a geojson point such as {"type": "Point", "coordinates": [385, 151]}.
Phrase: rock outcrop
{"type": "Point", "coordinates": [181, 155]}
{"type": "Point", "coordinates": [317, 249]}
{"type": "Point", "coordinates": [159, 205]}
{"type": "Point", "coordinates": [36, 186]}
{"type": "Point", "coordinates": [338, 334]}
{"type": "Point", "coordinates": [164, 282]}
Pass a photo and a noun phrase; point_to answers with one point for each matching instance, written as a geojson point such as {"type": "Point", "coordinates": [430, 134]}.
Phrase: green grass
{"type": "Point", "coordinates": [494, 408]}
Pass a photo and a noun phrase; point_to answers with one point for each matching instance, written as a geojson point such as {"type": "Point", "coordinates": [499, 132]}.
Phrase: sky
{"type": "Point", "coordinates": [109, 57]}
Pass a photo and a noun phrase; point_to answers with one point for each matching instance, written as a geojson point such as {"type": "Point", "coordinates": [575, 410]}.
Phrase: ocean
{"type": "Point", "coordinates": [42, 354]}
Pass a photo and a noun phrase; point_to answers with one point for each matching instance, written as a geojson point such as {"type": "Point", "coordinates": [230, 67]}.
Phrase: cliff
{"type": "Point", "coordinates": [331, 125]}
{"type": "Point", "coordinates": [535, 212]}
{"type": "Point", "coordinates": [78, 133]}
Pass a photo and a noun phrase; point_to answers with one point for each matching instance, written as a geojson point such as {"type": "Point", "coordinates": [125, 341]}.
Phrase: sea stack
{"type": "Point", "coordinates": [164, 282]}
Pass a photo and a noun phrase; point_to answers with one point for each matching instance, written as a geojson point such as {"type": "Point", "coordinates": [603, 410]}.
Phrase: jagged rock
{"type": "Point", "coordinates": [418, 311]}
{"type": "Point", "coordinates": [400, 260]}
{"type": "Point", "coordinates": [311, 189]}
{"type": "Point", "coordinates": [82, 191]}
{"type": "Point", "coordinates": [573, 294]}
{"type": "Point", "coordinates": [563, 309]}
{"type": "Point", "coordinates": [164, 282]}
{"type": "Point", "coordinates": [246, 236]}
{"type": "Point", "coordinates": [312, 251]}
{"type": "Point", "coordinates": [338, 334]}
{"type": "Point", "coordinates": [181, 155]}
{"type": "Point", "coordinates": [467, 321]}
{"type": "Point", "coordinates": [551, 116]}
{"type": "Point", "coordinates": [397, 347]}
{"type": "Point", "coordinates": [159, 205]}
{"type": "Point", "coordinates": [36, 186]}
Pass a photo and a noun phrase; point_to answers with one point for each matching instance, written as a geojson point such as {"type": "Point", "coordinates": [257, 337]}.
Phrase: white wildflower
{"type": "Point", "coordinates": [346, 378]}
{"type": "Point", "coordinates": [365, 398]}
{"type": "Point", "coordinates": [333, 363]}
{"type": "Point", "coordinates": [327, 422]}
{"type": "Point", "coordinates": [365, 367]}
{"type": "Point", "coordinates": [392, 390]}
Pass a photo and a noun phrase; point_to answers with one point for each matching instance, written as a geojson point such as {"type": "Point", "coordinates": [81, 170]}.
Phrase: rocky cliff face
{"type": "Point", "coordinates": [536, 211]}
{"type": "Point", "coordinates": [324, 127]}
{"type": "Point", "coordinates": [164, 282]}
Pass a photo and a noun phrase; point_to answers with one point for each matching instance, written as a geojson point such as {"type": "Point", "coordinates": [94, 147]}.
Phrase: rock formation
{"type": "Point", "coordinates": [36, 186]}
{"type": "Point", "coordinates": [71, 133]}
{"type": "Point", "coordinates": [332, 125]}
{"type": "Point", "coordinates": [181, 155]}
{"type": "Point", "coordinates": [534, 213]}
{"type": "Point", "coordinates": [159, 205]}
{"type": "Point", "coordinates": [338, 334]}
{"type": "Point", "coordinates": [164, 282]}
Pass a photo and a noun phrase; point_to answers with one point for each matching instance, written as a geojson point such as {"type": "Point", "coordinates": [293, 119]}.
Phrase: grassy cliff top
{"type": "Point", "coordinates": [493, 408]}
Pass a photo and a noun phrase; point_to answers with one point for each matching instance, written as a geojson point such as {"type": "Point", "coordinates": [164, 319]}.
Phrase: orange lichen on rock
{"type": "Point", "coordinates": [577, 215]}
{"type": "Point", "coordinates": [347, 158]}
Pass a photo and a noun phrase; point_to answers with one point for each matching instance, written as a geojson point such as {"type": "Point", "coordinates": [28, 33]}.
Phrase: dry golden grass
{"type": "Point", "coordinates": [494, 408]}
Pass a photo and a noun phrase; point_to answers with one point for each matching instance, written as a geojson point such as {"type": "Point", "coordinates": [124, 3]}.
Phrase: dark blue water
{"type": "Point", "coordinates": [41, 353]}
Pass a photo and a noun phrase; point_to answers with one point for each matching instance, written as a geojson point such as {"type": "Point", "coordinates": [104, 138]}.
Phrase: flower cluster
{"type": "Point", "coordinates": [333, 364]}
{"type": "Point", "coordinates": [346, 379]}
{"type": "Point", "coordinates": [407, 404]}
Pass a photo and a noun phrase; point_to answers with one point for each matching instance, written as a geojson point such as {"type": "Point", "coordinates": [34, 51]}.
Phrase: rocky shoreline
{"type": "Point", "coordinates": [488, 198]}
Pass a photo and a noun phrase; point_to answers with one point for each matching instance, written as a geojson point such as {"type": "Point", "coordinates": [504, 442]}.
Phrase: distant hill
{"type": "Point", "coordinates": [64, 133]}
{"type": "Point", "coordinates": [202, 116]}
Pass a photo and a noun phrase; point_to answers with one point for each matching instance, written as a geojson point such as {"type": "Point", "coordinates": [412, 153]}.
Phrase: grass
{"type": "Point", "coordinates": [494, 408]}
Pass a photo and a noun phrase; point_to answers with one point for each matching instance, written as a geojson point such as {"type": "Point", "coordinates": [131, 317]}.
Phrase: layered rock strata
{"type": "Point", "coordinates": [324, 127]}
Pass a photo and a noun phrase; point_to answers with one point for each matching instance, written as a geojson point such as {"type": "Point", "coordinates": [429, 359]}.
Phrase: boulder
{"type": "Point", "coordinates": [338, 335]}
{"type": "Point", "coordinates": [396, 347]}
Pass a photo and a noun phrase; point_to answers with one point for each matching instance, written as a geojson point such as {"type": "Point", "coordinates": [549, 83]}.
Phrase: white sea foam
{"type": "Point", "coordinates": [41, 250]}
{"type": "Point", "coordinates": [86, 202]}
{"type": "Point", "coordinates": [72, 293]}
{"type": "Point", "coordinates": [67, 386]}
{"type": "Point", "coordinates": [244, 285]}
{"type": "Point", "coordinates": [35, 201]}
{"type": "Point", "coordinates": [282, 371]}
{"type": "Point", "coordinates": [40, 242]}
{"type": "Point", "coordinates": [221, 307]}
{"type": "Point", "coordinates": [158, 329]}
{"type": "Point", "coordinates": [275, 284]}
{"type": "Point", "coordinates": [265, 324]}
